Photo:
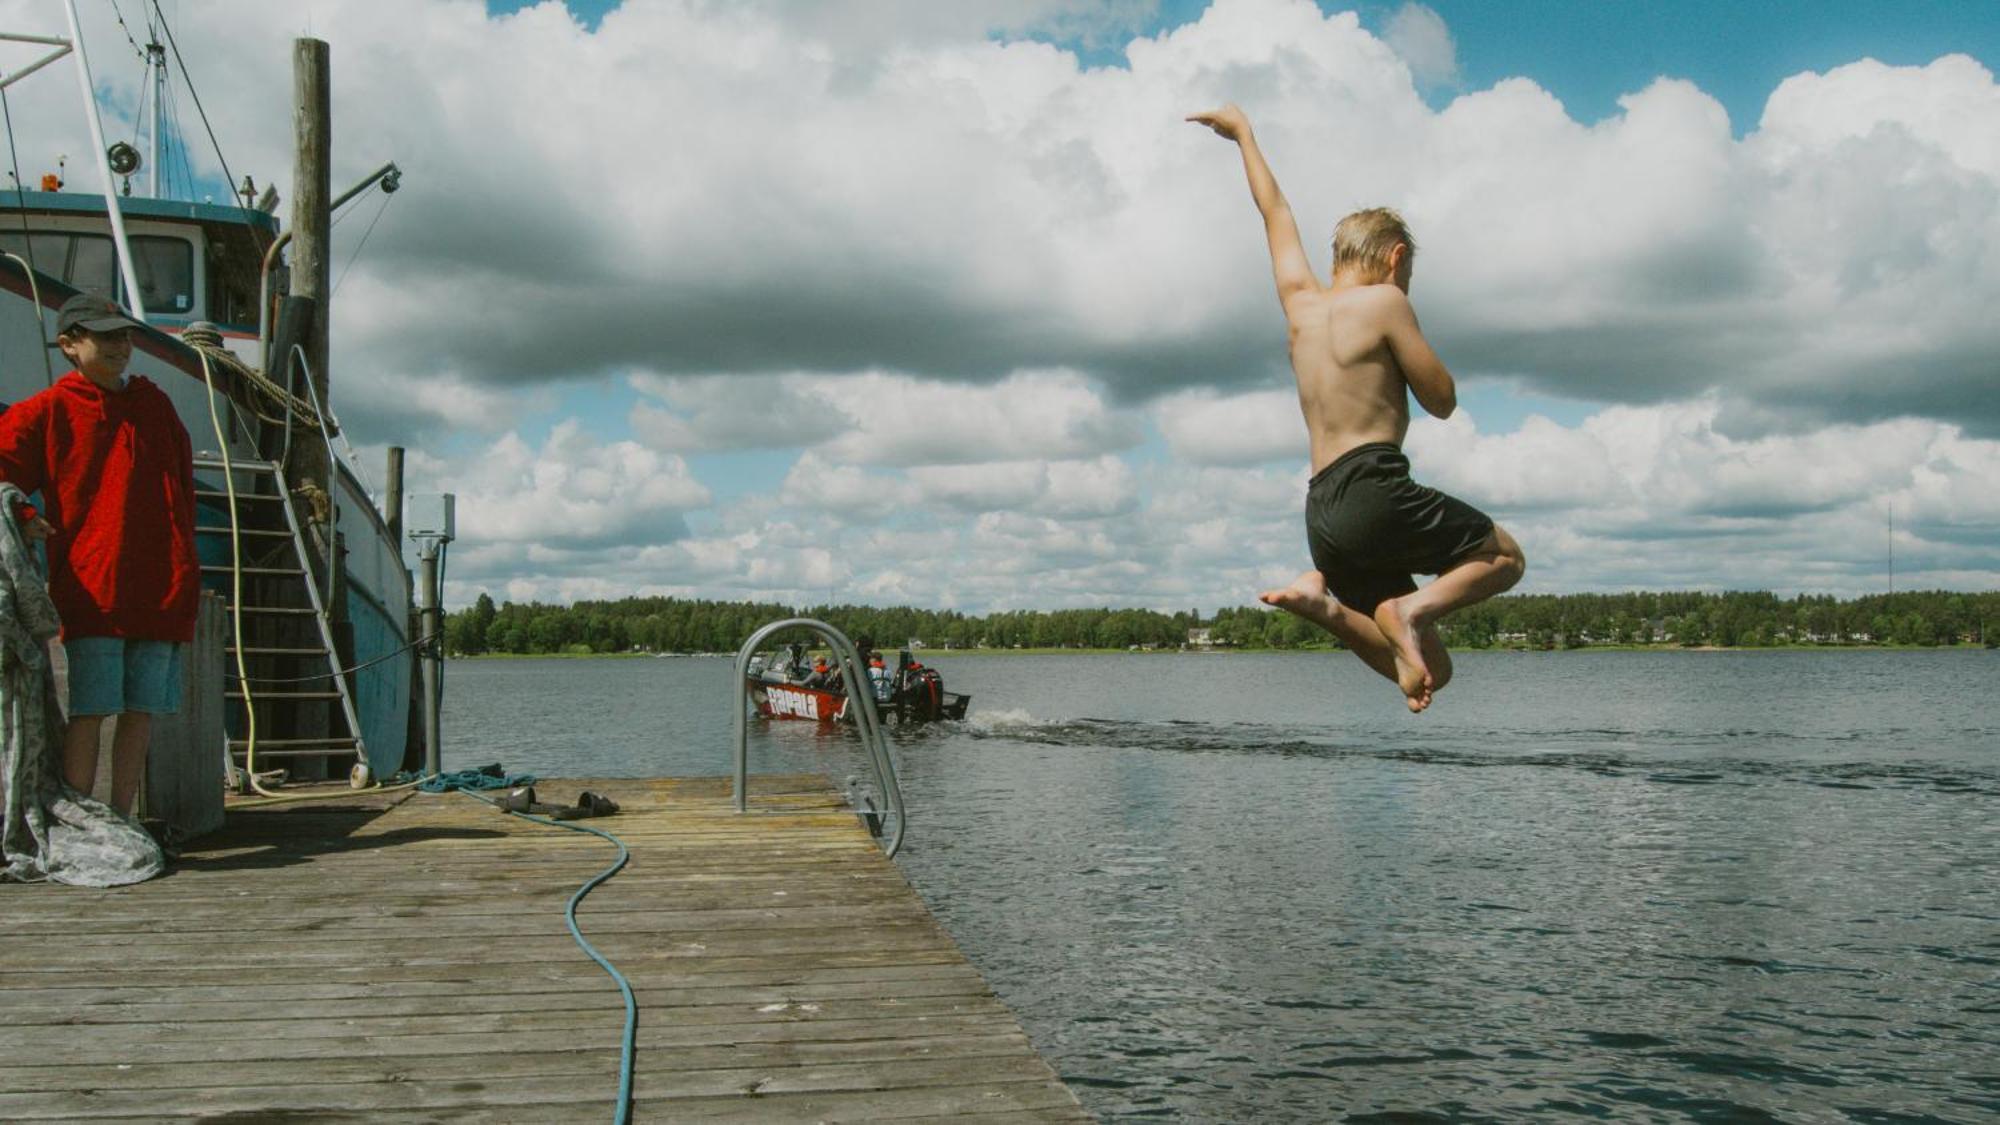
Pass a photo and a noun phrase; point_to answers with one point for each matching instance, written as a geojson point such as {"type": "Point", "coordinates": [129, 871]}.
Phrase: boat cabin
{"type": "Point", "coordinates": [195, 261]}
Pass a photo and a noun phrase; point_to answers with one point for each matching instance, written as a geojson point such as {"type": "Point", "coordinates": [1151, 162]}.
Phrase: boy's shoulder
{"type": "Point", "coordinates": [1351, 302]}
{"type": "Point", "coordinates": [1384, 293]}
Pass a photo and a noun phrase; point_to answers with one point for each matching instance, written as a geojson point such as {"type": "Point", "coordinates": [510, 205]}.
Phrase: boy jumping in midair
{"type": "Point", "coordinates": [1355, 346]}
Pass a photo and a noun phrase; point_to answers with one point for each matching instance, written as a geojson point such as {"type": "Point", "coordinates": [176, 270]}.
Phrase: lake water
{"type": "Point", "coordinates": [1669, 886]}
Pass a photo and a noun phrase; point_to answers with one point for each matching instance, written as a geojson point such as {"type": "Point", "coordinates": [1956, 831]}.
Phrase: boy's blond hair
{"type": "Point", "coordinates": [1363, 240]}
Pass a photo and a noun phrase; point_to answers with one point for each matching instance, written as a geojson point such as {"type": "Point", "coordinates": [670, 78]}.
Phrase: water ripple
{"type": "Point", "coordinates": [1772, 764]}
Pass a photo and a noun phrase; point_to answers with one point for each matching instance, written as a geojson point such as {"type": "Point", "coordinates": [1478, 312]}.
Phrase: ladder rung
{"type": "Point", "coordinates": [294, 752]}
{"type": "Point", "coordinates": [269, 533]}
{"type": "Point", "coordinates": [256, 651]}
{"type": "Point", "coordinates": [240, 464]}
{"type": "Point", "coordinates": [299, 611]}
{"type": "Point", "coordinates": [278, 570]}
{"type": "Point", "coordinates": [215, 494]}
{"type": "Point", "coordinates": [263, 696]}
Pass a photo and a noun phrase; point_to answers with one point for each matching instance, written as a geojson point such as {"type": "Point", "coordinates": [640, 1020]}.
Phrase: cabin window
{"type": "Point", "coordinates": [46, 252]}
{"type": "Point", "coordinates": [90, 262]}
{"type": "Point", "coordinates": [166, 273]}
{"type": "Point", "coordinates": [232, 302]}
{"type": "Point", "coordinates": [93, 264]}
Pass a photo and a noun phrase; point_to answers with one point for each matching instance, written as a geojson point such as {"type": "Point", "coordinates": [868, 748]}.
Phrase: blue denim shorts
{"type": "Point", "coordinates": [110, 675]}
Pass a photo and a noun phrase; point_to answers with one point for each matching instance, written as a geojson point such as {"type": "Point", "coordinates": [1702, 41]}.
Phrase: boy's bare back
{"type": "Point", "coordinates": [1354, 349]}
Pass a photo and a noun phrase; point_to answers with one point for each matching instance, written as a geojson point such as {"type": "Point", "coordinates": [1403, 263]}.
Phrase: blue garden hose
{"type": "Point", "coordinates": [466, 782]}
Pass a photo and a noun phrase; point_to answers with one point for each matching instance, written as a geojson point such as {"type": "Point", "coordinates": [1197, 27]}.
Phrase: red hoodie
{"type": "Point", "coordinates": [116, 474]}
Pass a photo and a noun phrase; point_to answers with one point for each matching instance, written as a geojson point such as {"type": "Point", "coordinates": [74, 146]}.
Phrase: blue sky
{"type": "Point", "coordinates": [1589, 53]}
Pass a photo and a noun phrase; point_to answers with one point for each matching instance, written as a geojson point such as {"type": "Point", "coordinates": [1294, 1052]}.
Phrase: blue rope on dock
{"type": "Point", "coordinates": [484, 777]}
{"type": "Point", "coordinates": [569, 912]}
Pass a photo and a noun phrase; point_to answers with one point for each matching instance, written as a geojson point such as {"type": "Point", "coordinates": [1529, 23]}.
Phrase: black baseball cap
{"type": "Point", "coordinates": [94, 312]}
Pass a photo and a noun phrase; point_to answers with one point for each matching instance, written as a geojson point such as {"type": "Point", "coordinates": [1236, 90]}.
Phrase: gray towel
{"type": "Point", "coordinates": [51, 831]}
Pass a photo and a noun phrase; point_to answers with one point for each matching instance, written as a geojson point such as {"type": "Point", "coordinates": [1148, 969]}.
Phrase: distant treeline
{"type": "Point", "coordinates": [1541, 621]}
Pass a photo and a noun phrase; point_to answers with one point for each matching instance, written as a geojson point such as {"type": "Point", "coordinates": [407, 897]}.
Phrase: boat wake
{"type": "Point", "coordinates": [1669, 757]}
{"type": "Point", "coordinates": [1005, 721]}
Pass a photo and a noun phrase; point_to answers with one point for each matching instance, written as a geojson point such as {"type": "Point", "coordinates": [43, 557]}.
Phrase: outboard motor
{"type": "Point", "coordinates": [926, 695]}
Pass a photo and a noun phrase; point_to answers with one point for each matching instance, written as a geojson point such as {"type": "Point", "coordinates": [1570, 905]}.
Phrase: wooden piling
{"type": "Point", "coordinates": [184, 773]}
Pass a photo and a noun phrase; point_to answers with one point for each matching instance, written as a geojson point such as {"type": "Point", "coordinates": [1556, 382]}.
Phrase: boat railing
{"type": "Point", "coordinates": [867, 718]}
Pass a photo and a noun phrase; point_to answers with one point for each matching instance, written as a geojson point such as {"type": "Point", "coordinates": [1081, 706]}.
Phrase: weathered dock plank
{"type": "Point", "coordinates": [404, 958]}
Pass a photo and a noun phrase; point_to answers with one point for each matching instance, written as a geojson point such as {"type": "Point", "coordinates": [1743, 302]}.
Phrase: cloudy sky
{"type": "Point", "coordinates": [943, 304]}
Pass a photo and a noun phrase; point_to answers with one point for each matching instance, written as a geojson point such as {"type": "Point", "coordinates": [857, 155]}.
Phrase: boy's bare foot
{"type": "Point", "coordinates": [1306, 597]}
{"type": "Point", "coordinates": [1309, 598]}
{"type": "Point", "coordinates": [1416, 692]}
{"type": "Point", "coordinates": [1402, 630]}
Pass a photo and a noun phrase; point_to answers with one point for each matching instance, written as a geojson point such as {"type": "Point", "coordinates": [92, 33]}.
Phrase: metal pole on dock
{"type": "Point", "coordinates": [433, 652]}
{"type": "Point", "coordinates": [432, 523]}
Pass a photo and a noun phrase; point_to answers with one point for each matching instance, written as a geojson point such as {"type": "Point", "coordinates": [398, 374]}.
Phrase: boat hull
{"type": "Point", "coordinates": [784, 700]}
{"type": "Point", "coordinates": [797, 702]}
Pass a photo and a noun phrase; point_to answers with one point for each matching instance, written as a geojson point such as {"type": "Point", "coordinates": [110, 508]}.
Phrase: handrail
{"type": "Point", "coordinates": [866, 719]}
{"type": "Point", "coordinates": [35, 299]}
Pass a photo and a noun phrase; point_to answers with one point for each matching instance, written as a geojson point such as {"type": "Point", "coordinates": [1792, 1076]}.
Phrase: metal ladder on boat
{"type": "Point", "coordinates": [300, 667]}
{"type": "Point", "coordinates": [868, 718]}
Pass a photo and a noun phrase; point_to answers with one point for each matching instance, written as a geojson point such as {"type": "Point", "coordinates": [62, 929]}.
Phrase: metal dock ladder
{"type": "Point", "coordinates": [294, 667]}
{"type": "Point", "coordinates": [867, 721]}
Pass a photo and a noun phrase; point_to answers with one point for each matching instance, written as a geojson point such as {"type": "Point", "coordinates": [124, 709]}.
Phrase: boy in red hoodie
{"type": "Point", "coordinates": [116, 472]}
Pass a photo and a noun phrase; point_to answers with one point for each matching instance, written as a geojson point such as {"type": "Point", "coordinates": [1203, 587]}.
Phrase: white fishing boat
{"type": "Point", "coordinates": [309, 561]}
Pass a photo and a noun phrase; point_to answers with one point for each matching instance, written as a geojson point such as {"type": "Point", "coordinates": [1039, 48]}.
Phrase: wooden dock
{"type": "Point", "coordinates": [404, 958]}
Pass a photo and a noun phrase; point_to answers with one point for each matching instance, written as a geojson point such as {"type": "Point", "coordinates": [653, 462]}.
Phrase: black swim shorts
{"type": "Point", "coordinates": [1371, 527]}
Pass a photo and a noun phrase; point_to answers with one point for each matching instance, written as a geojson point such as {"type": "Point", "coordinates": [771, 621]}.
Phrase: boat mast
{"type": "Point", "coordinates": [156, 69]}
{"type": "Point", "coordinates": [133, 299]}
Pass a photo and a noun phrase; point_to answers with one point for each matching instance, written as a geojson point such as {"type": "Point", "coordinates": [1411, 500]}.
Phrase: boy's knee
{"type": "Point", "coordinates": [1512, 559]}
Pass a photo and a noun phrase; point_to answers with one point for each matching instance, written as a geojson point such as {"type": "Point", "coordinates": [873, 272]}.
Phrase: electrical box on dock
{"type": "Point", "coordinates": [430, 515]}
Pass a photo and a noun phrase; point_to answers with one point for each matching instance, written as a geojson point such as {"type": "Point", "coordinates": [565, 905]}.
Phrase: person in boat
{"type": "Point", "coordinates": [878, 679]}
{"type": "Point", "coordinates": [1358, 354]}
{"type": "Point", "coordinates": [821, 674]}
{"type": "Point", "coordinates": [115, 469]}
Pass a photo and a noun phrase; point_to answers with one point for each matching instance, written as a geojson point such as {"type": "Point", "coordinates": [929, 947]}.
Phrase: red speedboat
{"type": "Point", "coordinates": [791, 688]}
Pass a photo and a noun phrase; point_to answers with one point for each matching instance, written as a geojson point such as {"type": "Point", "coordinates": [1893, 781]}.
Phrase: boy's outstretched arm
{"type": "Point", "coordinates": [1288, 255]}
